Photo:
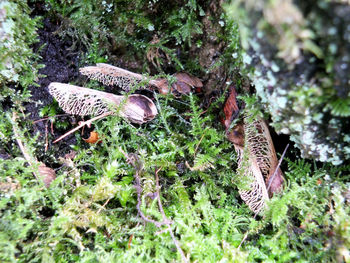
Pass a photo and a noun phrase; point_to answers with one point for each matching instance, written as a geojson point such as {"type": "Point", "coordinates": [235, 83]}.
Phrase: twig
{"type": "Point", "coordinates": [195, 150]}
{"type": "Point", "coordinates": [130, 240]}
{"type": "Point", "coordinates": [47, 118]}
{"type": "Point", "coordinates": [31, 160]}
{"type": "Point", "coordinates": [103, 206]}
{"type": "Point", "coordinates": [274, 174]}
{"type": "Point", "coordinates": [139, 201]}
{"type": "Point", "coordinates": [42, 173]}
{"type": "Point", "coordinates": [82, 124]}
{"type": "Point", "coordinates": [278, 166]}
{"type": "Point", "coordinates": [135, 162]}
{"type": "Point", "coordinates": [46, 137]}
{"type": "Point", "coordinates": [165, 219]}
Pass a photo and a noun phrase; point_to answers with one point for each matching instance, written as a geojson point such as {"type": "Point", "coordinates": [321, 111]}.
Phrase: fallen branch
{"type": "Point", "coordinates": [82, 124]}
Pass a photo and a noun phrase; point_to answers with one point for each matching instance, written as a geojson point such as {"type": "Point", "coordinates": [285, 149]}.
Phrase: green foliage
{"type": "Point", "coordinates": [90, 214]}
{"type": "Point", "coordinates": [156, 29]}
{"type": "Point", "coordinates": [306, 227]}
{"type": "Point", "coordinates": [18, 63]}
{"type": "Point", "coordinates": [184, 24]}
{"type": "Point", "coordinates": [340, 107]}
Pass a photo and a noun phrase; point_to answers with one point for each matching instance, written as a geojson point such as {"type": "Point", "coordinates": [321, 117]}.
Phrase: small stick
{"type": "Point", "coordinates": [130, 240]}
{"type": "Point", "coordinates": [103, 206]}
{"type": "Point", "coordinates": [82, 124]}
{"type": "Point", "coordinates": [165, 219]}
{"type": "Point", "coordinates": [24, 151]}
{"type": "Point", "coordinates": [138, 206]}
{"type": "Point", "coordinates": [46, 118]}
{"type": "Point", "coordinates": [195, 150]}
{"type": "Point", "coordinates": [277, 167]}
{"type": "Point", "coordinates": [46, 137]}
{"type": "Point", "coordinates": [274, 174]}
{"type": "Point", "coordinates": [138, 188]}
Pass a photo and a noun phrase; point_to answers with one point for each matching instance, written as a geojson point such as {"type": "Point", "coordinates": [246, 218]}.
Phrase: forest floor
{"type": "Point", "coordinates": [171, 189]}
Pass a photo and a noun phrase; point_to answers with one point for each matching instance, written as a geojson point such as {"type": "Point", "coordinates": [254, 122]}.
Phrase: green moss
{"type": "Point", "coordinates": [89, 213]}
{"type": "Point", "coordinates": [18, 32]}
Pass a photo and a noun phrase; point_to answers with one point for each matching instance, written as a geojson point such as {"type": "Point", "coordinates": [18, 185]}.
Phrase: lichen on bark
{"type": "Point", "coordinates": [305, 87]}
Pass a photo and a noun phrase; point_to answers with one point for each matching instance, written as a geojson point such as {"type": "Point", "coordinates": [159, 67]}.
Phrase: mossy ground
{"type": "Point", "coordinates": [89, 213]}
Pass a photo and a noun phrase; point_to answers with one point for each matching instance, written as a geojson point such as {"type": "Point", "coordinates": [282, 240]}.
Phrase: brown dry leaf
{"type": "Point", "coordinates": [181, 88]}
{"type": "Point", "coordinates": [162, 85]}
{"type": "Point", "coordinates": [189, 79]}
{"type": "Point", "coordinates": [125, 79]}
{"type": "Point", "coordinates": [46, 174]}
{"type": "Point", "coordinates": [82, 101]}
{"type": "Point", "coordinates": [9, 186]}
{"type": "Point", "coordinates": [154, 54]}
{"type": "Point", "coordinates": [236, 135]}
{"type": "Point", "coordinates": [259, 141]}
{"type": "Point", "coordinates": [71, 155]}
{"type": "Point", "coordinates": [93, 138]}
{"type": "Point", "coordinates": [111, 75]}
{"type": "Point", "coordinates": [185, 82]}
{"type": "Point", "coordinates": [257, 158]}
{"type": "Point", "coordinates": [230, 108]}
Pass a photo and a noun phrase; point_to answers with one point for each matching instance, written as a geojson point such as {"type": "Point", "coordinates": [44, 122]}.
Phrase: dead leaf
{"type": "Point", "coordinates": [47, 174]}
{"type": "Point", "coordinates": [71, 155]}
{"type": "Point", "coordinates": [111, 75]}
{"type": "Point", "coordinates": [9, 186]}
{"type": "Point", "coordinates": [181, 88]}
{"type": "Point", "coordinates": [83, 101]}
{"type": "Point", "coordinates": [185, 82]}
{"type": "Point", "coordinates": [162, 85]}
{"type": "Point", "coordinates": [155, 54]}
{"type": "Point", "coordinates": [139, 109]}
{"type": "Point", "coordinates": [275, 184]}
{"type": "Point", "coordinates": [93, 138]}
{"type": "Point", "coordinates": [260, 165]}
{"type": "Point", "coordinates": [256, 155]}
{"type": "Point", "coordinates": [189, 79]}
{"type": "Point", "coordinates": [231, 109]}
{"type": "Point", "coordinates": [125, 79]}
{"type": "Point", "coordinates": [236, 135]}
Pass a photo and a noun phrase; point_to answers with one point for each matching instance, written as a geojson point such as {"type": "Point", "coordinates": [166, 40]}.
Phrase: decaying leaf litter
{"type": "Point", "coordinates": [257, 159]}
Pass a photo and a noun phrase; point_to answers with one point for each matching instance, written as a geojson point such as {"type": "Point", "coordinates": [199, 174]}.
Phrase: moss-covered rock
{"type": "Point", "coordinates": [298, 59]}
{"type": "Point", "coordinates": [17, 34]}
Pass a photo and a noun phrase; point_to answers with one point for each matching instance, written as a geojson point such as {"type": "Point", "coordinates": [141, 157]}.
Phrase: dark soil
{"type": "Point", "coordinates": [61, 65]}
